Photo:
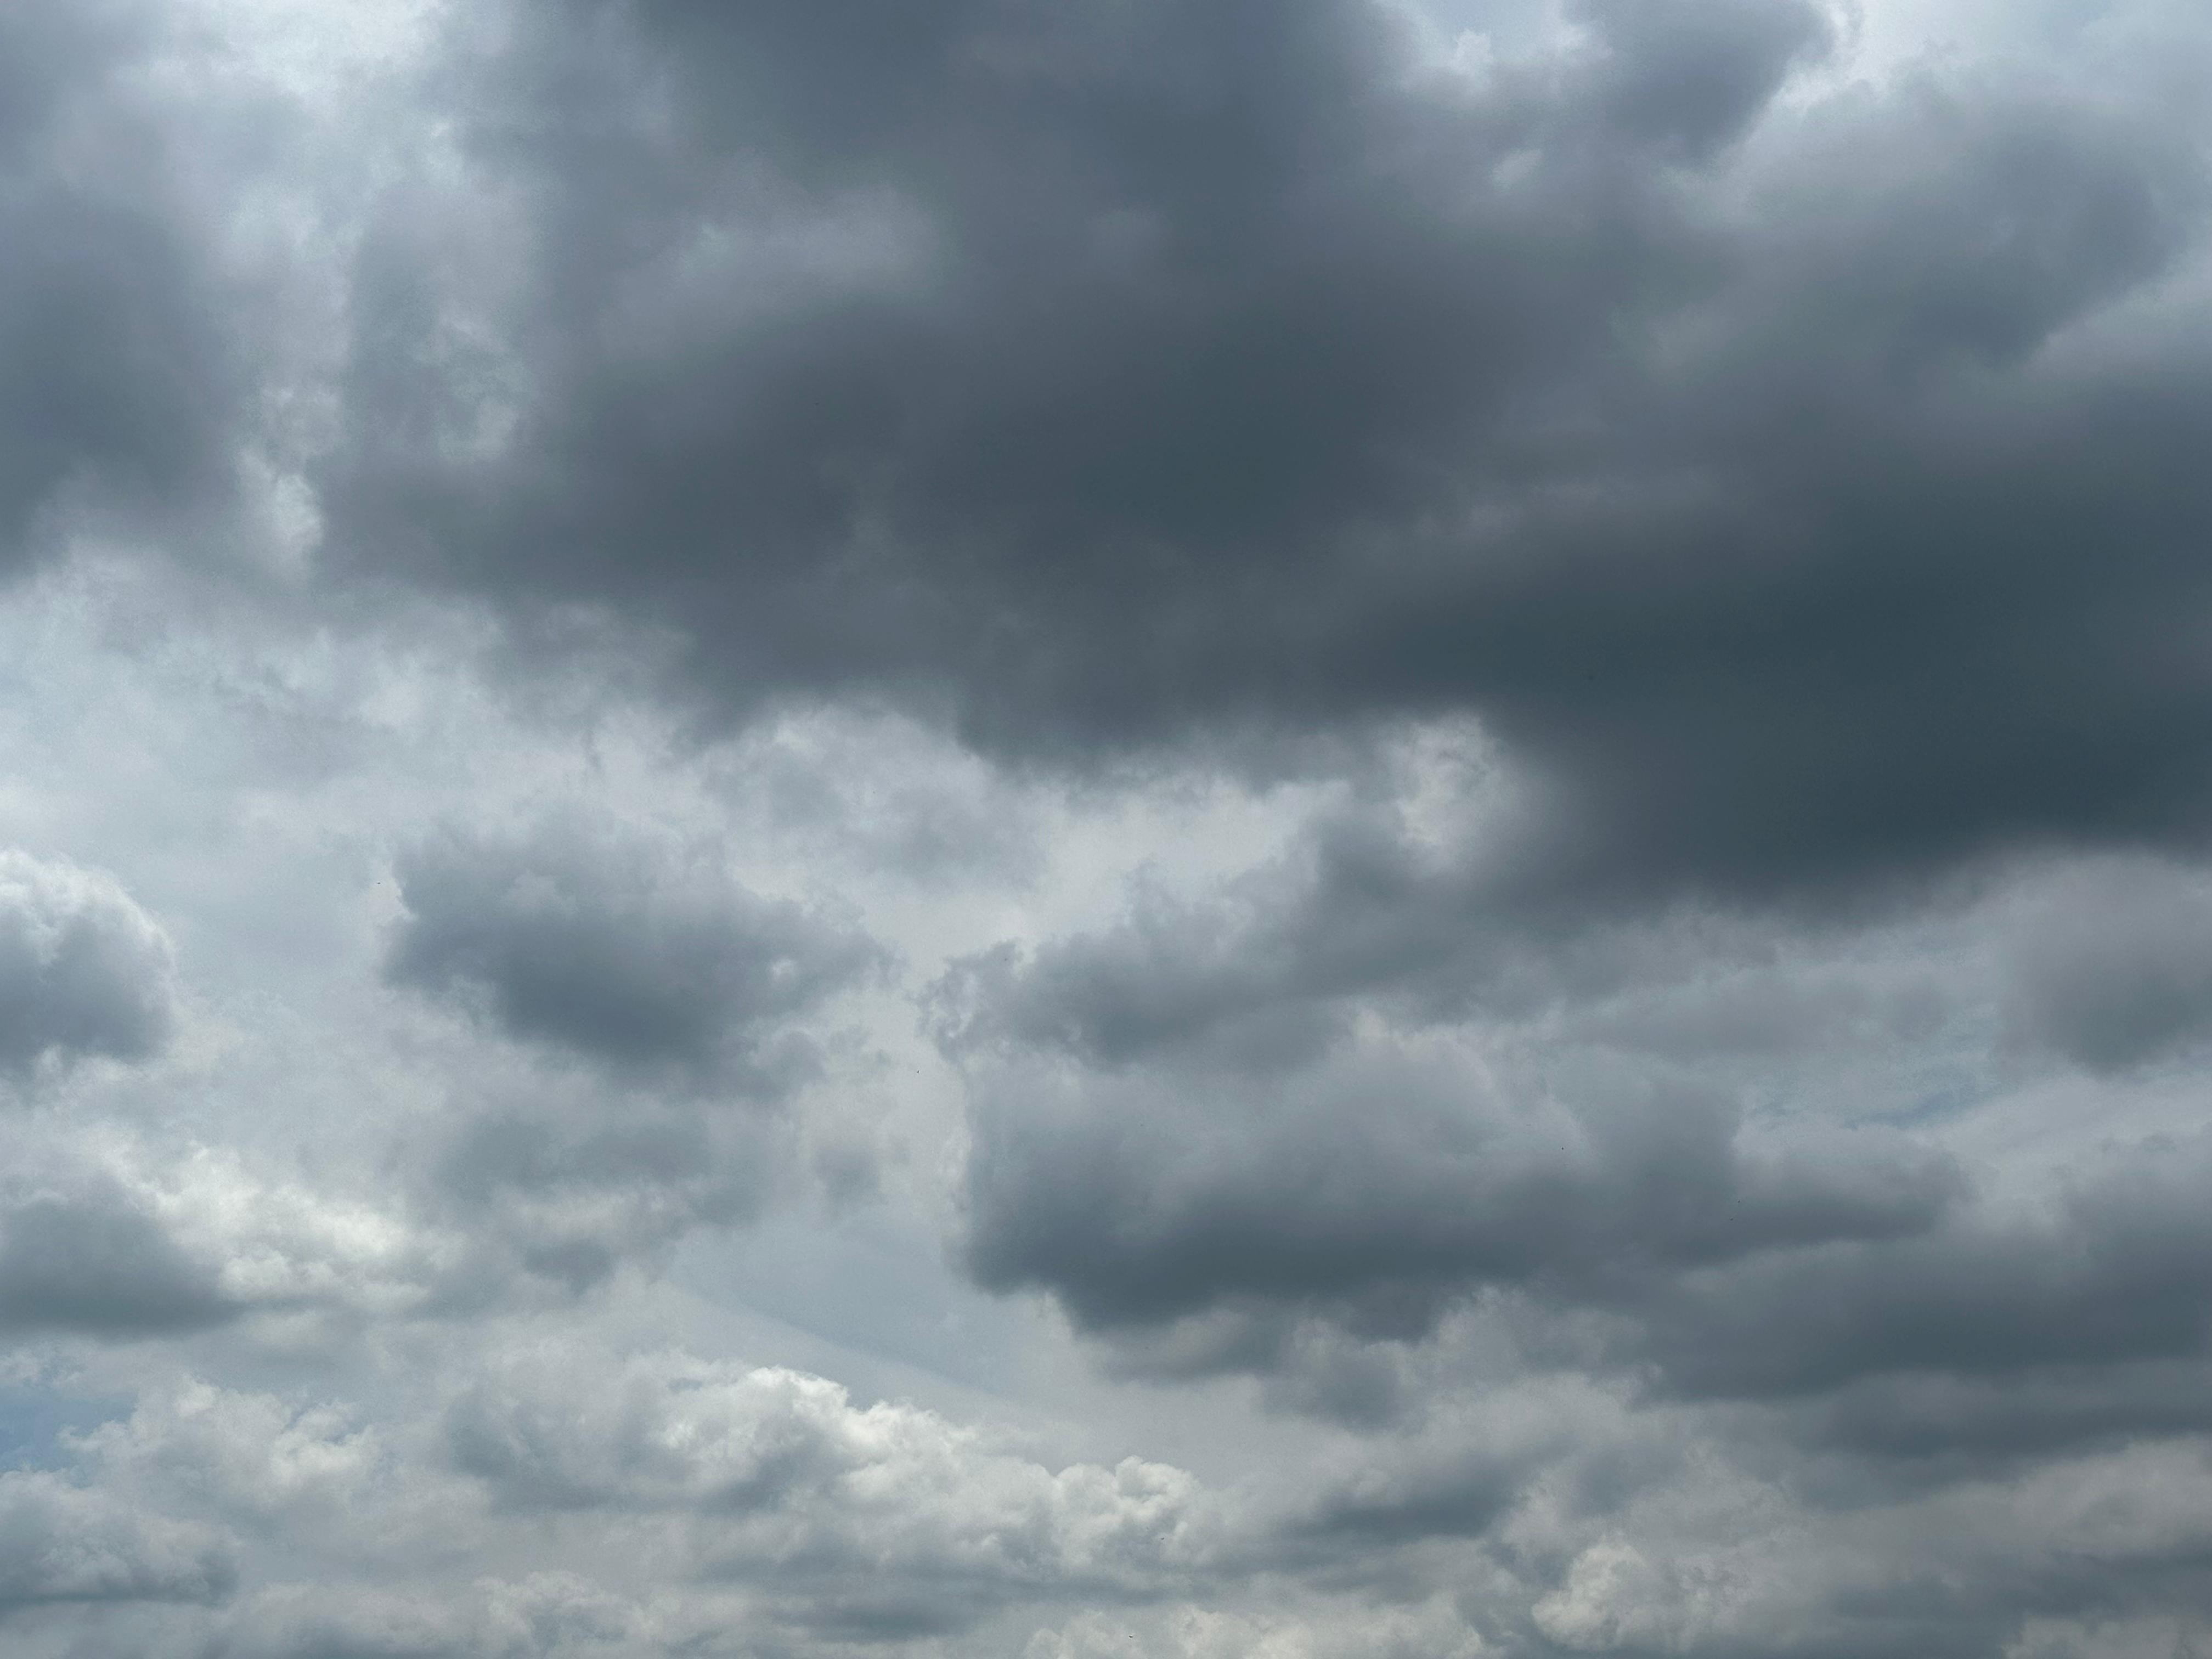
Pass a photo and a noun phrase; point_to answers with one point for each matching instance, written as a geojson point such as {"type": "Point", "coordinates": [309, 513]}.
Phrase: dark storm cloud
{"type": "Point", "coordinates": [1252, 1132]}
{"type": "Point", "coordinates": [1265, 971]}
{"type": "Point", "coordinates": [1793, 505]}
{"type": "Point", "coordinates": [1719, 1205]}
{"type": "Point", "coordinates": [84, 971]}
{"type": "Point", "coordinates": [681, 988]}
{"type": "Point", "coordinates": [1383, 1186]}
{"type": "Point", "coordinates": [1936, 1425]}
{"type": "Point", "coordinates": [2111, 1271]}
{"type": "Point", "coordinates": [122, 385]}
{"type": "Point", "coordinates": [1206, 1205]}
{"type": "Point", "coordinates": [615, 947]}
{"type": "Point", "coordinates": [96, 1262]}
{"type": "Point", "coordinates": [1379, 1075]}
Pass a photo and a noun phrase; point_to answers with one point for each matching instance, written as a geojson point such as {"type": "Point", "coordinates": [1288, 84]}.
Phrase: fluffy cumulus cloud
{"type": "Point", "coordinates": [1197, 829]}
{"type": "Point", "coordinates": [1800, 485]}
{"type": "Point", "coordinates": [860, 1523]}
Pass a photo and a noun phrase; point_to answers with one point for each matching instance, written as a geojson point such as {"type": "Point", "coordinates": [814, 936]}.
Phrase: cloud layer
{"type": "Point", "coordinates": [1799, 490]}
{"type": "Point", "coordinates": [1327, 830]}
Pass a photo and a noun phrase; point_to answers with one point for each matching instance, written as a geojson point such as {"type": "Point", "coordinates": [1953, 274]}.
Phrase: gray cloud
{"type": "Point", "coordinates": [575, 1185]}
{"type": "Point", "coordinates": [61, 1544]}
{"type": "Point", "coordinates": [619, 950]}
{"type": "Point", "coordinates": [1797, 500]}
{"type": "Point", "coordinates": [2117, 968]}
{"type": "Point", "coordinates": [1663, 539]}
{"type": "Point", "coordinates": [125, 381]}
{"type": "Point", "coordinates": [2107, 1274]}
{"type": "Point", "coordinates": [1295, 1126]}
{"type": "Point", "coordinates": [547, 1614]}
{"type": "Point", "coordinates": [84, 971]}
{"type": "Point", "coordinates": [680, 986]}
{"type": "Point", "coordinates": [96, 1261]}
{"type": "Point", "coordinates": [1392, 1183]}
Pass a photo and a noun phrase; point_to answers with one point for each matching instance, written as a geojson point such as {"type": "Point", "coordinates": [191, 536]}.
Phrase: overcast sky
{"type": "Point", "coordinates": [1105, 829]}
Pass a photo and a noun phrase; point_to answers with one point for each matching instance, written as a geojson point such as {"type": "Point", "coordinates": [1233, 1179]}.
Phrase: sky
{"type": "Point", "coordinates": [1141, 829]}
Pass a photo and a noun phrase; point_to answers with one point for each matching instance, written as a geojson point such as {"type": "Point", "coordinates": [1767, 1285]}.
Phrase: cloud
{"type": "Point", "coordinates": [574, 1183]}
{"type": "Point", "coordinates": [1519, 687]}
{"type": "Point", "coordinates": [1431, 1628]}
{"type": "Point", "coordinates": [544, 1613]}
{"type": "Point", "coordinates": [859, 1522]}
{"type": "Point", "coordinates": [126, 383]}
{"type": "Point", "coordinates": [1684, 1577]}
{"type": "Point", "coordinates": [1389, 1180]}
{"type": "Point", "coordinates": [2101, 1274]}
{"type": "Point", "coordinates": [673, 1502]}
{"type": "Point", "coordinates": [147, 1242]}
{"type": "Point", "coordinates": [98, 1261]}
{"type": "Point", "coordinates": [249, 1459]}
{"type": "Point", "coordinates": [2115, 970]}
{"type": "Point", "coordinates": [84, 971]}
{"type": "Point", "coordinates": [1305, 1126]}
{"type": "Point", "coordinates": [1793, 484]}
{"type": "Point", "coordinates": [619, 951]}
{"type": "Point", "coordinates": [66, 1544]}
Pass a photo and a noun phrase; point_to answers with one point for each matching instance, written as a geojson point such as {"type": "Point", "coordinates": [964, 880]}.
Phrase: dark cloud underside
{"type": "Point", "coordinates": [125, 379]}
{"type": "Point", "coordinates": [84, 971]}
{"type": "Point", "coordinates": [97, 1262]}
{"type": "Point", "coordinates": [638, 956]}
{"type": "Point", "coordinates": [1793, 489]}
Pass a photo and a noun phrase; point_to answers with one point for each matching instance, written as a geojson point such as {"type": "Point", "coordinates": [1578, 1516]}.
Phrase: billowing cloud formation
{"type": "Point", "coordinates": [617, 950]}
{"type": "Point", "coordinates": [676, 986]}
{"type": "Point", "coordinates": [125, 379]}
{"type": "Point", "coordinates": [1196, 829]}
{"type": "Point", "coordinates": [97, 1261]}
{"type": "Point", "coordinates": [1800, 488]}
{"type": "Point", "coordinates": [1307, 1152]}
{"type": "Point", "coordinates": [83, 970]}
{"type": "Point", "coordinates": [870, 1523]}
{"type": "Point", "coordinates": [572, 1182]}
{"type": "Point", "coordinates": [64, 1543]}
{"type": "Point", "coordinates": [1394, 1180]}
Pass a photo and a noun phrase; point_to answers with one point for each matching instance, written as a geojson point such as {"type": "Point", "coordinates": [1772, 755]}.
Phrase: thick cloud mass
{"type": "Point", "coordinates": [96, 1262]}
{"type": "Point", "coordinates": [63, 1545]}
{"type": "Point", "coordinates": [614, 949]}
{"type": "Point", "coordinates": [866, 1525]}
{"type": "Point", "coordinates": [1031, 830]}
{"type": "Point", "coordinates": [123, 380]}
{"type": "Point", "coordinates": [83, 970]}
{"type": "Point", "coordinates": [1390, 1182]}
{"type": "Point", "coordinates": [2118, 970]}
{"type": "Point", "coordinates": [1800, 491]}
